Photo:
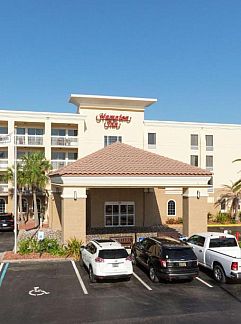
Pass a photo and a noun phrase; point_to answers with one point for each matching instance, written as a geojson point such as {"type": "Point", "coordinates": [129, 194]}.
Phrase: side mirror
{"type": "Point", "coordinates": [82, 247]}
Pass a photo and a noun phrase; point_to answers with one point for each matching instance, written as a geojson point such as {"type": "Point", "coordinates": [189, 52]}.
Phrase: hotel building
{"type": "Point", "coordinates": [157, 170]}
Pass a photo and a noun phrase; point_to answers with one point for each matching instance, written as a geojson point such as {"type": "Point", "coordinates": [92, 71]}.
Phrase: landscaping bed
{"type": "Point", "coordinates": [10, 255]}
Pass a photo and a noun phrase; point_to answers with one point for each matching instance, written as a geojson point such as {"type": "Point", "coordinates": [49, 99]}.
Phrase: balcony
{"type": "Point", "coordinates": [3, 188]}
{"type": "Point", "coordinates": [64, 141]}
{"type": "Point", "coordinates": [3, 164]}
{"type": "Point", "coordinates": [32, 140]}
{"type": "Point", "coordinates": [57, 164]}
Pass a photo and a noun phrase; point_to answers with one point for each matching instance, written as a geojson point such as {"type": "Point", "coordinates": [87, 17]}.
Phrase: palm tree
{"type": "Point", "coordinates": [21, 182]}
{"type": "Point", "coordinates": [232, 196]}
{"type": "Point", "coordinates": [35, 168]}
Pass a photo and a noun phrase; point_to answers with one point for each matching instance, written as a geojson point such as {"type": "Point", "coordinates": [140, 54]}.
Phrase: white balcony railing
{"type": "Point", "coordinates": [3, 187]}
{"type": "Point", "coordinates": [3, 164]}
{"type": "Point", "coordinates": [29, 139]}
{"type": "Point", "coordinates": [56, 164]}
{"type": "Point", "coordinates": [64, 141]}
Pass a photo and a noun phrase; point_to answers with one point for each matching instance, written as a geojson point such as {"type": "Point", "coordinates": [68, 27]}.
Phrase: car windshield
{"type": "Point", "coordinates": [222, 242]}
{"type": "Point", "coordinates": [113, 254]}
{"type": "Point", "coordinates": [179, 253]}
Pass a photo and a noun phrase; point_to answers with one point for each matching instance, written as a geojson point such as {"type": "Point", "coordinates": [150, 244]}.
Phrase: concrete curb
{"type": "Point", "coordinates": [35, 260]}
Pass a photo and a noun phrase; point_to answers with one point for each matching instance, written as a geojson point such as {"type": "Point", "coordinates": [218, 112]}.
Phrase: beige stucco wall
{"type": "Point", "coordinates": [150, 205]}
{"type": "Point", "coordinates": [55, 211]}
{"type": "Point", "coordinates": [73, 219]}
{"type": "Point", "coordinates": [194, 215]}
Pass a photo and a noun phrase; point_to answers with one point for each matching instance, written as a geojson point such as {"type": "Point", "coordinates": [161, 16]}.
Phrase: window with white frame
{"type": "Point", "coordinates": [2, 205]}
{"type": "Point", "coordinates": [223, 205]}
{"type": "Point", "coordinates": [108, 140]}
{"type": "Point", "coordinates": [35, 131]}
{"type": "Point", "coordinates": [209, 162]}
{"type": "Point", "coordinates": [171, 208]}
{"type": "Point", "coordinates": [25, 205]}
{"type": "Point", "coordinates": [209, 142]}
{"type": "Point", "coordinates": [119, 213]}
{"type": "Point", "coordinates": [151, 140]}
{"type": "Point", "coordinates": [58, 132]}
{"type": "Point", "coordinates": [194, 160]}
{"type": "Point", "coordinates": [3, 130]}
{"type": "Point", "coordinates": [194, 141]}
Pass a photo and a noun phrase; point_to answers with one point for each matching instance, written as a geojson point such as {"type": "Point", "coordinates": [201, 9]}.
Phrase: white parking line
{"type": "Point", "coordinates": [204, 282]}
{"type": "Point", "coordinates": [144, 284]}
{"type": "Point", "coordinates": [1, 265]}
{"type": "Point", "coordinates": [79, 278]}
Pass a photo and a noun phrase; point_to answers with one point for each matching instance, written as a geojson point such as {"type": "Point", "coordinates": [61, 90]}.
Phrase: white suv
{"type": "Point", "coordinates": [106, 259]}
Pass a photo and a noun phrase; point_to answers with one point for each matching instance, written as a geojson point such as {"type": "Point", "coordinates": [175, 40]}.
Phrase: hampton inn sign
{"type": "Point", "coordinates": [112, 121]}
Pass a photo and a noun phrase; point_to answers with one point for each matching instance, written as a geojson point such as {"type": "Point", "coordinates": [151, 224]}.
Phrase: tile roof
{"type": "Point", "coordinates": [121, 159]}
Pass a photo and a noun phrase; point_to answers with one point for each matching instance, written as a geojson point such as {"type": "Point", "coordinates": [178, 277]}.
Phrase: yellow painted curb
{"type": "Point", "coordinates": [224, 225]}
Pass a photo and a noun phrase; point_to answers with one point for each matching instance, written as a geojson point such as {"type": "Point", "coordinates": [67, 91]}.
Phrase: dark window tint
{"type": "Point", "coordinates": [193, 239]}
{"type": "Point", "coordinates": [152, 138]}
{"type": "Point", "coordinates": [180, 253]}
{"type": "Point", "coordinates": [200, 241]}
{"type": "Point", "coordinates": [3, 130]}
{"type": "Point", "coordinates": [222, 242]}
{"type": "Point", "coordinates": [146, 244]}
{"type": "Point", "coordinates": [6, 217]}
{"type": "Point", "coordinates": [113, 254]}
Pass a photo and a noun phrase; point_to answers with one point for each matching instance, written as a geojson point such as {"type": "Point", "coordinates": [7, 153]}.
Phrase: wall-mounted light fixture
{"type": "Point", "coordinates": [198, 194]}
{"type": "Point", "coordinates": [75, 195]}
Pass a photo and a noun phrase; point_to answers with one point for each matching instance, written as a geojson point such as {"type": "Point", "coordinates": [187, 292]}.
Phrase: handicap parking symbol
{"type": "Point", "coordinates": [36, 291]}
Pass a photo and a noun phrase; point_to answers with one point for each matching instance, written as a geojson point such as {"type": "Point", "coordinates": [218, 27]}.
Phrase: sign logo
{"type": "Point", "coordinates": [112, 121]}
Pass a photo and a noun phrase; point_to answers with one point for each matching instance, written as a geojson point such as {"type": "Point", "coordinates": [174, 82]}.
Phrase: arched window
{"type": "Point", "coordinates": [171, 208]}
{"type": "Point", "coordinates": [25, 205]}
{"type": "Point", "coordinates": [2, 205]}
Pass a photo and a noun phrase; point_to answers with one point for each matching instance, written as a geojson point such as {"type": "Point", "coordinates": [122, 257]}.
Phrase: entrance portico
{"type": "Point", "coordinates": [126, 187]}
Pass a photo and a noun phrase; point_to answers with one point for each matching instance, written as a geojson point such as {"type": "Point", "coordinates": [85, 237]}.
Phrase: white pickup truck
{"type": "Point", "coordinates": [219, 252]}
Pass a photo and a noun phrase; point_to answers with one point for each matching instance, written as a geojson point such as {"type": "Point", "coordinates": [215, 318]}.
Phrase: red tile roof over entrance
{"type": "Point", "coordinates": [121, 159]}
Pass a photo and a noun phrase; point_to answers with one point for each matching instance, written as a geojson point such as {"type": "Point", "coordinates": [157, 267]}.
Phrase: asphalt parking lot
{"type": "Point", "coordinates": [60, 292]}
{"type": "Point", "coordinates": [6, 241]}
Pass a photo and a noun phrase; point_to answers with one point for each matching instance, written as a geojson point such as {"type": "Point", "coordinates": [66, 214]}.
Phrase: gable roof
{"type": "Point", "coordinates": [120, 159]}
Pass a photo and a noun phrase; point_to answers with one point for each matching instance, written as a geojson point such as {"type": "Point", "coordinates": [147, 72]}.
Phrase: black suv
{"type": "Point", "coordinates": [6, 222]}
{"type": "Point", "coordinates": [165, 258]}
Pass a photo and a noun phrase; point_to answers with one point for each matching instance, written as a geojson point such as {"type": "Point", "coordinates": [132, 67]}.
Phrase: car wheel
{"type": "Point", "coordinates": [219, 274]}
{"type": "Point", "coordinates": [91, 275]}
{"type": "Point", "coordinates": [153, 275]}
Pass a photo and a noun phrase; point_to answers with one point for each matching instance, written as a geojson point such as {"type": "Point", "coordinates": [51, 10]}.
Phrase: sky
{"type": "Point", "coordinates": [185, 53]}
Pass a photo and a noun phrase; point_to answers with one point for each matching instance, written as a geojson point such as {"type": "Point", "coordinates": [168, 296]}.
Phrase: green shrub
{"type": "Point", "coordinates": [73, 248]}
{"type": "Point", "coordinates": [46, 245]}
{"type": "Point", "coordinates": [223, 218]}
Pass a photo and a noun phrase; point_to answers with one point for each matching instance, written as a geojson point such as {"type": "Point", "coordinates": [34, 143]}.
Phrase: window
{"type": "Point", "coordinates": [171, 208]}
{"type": "Point", "coordinates": [147, 243]}
{"type": "Point", "coordinates": [194, 160]}
{"type": "Point", "coordinates": [58, 132]}
{"type": "Point", "coordinates": [151, 140]}
{"type": "Point", "coordinates": [58, 156]}
{"type": "Point", "coordinates": [3, 154]}
{"type": "Point", "coordinates": [223, 205]}
{"type": "Point", "coordinates": [222, 241]}
{"type": "Point", "coordinates": [91, 248]}
{"type": "Point", "coordinates": [20, 131]}
{"type": "Point", "coordinates": [24, 205]}
{"type": "Point", "coordinates": [119, 213]}
{"type": "Point", "coordinates": [72, 156]}
{"type": "Point", "coordinates": [72, 132]}
{"type": "Point", "coordinates": [209, 142]}
{"type": "Point", "coordinates": [3, 130]}
{"type": "Point", "coordinates": [209, 162]}
{"type": "Point", "coordinates": [194, 141]}
{"type": "Point", "coordinates": [108, 140]}
{"type": "Point", "coordinates": [35, 131]}
{"type": "Point", "coordinates": [2, 205]}
{"type": "Point", "coordinates": [210, 185]}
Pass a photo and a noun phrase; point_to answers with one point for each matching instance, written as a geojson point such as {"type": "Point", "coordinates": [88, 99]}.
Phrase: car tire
{"type": "Point", "coordinates": [152, 274]}
{"type": "Point", "coordinates": [91, 275]}
{"type": "Point", "coordinates": [219, 274]}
